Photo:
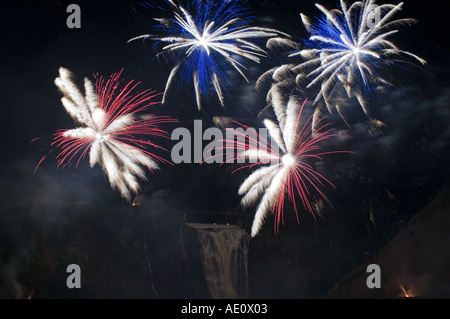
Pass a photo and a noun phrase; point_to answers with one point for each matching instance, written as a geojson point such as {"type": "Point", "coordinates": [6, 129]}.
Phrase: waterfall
{"type": "Point", "coordinates": [224, 251]}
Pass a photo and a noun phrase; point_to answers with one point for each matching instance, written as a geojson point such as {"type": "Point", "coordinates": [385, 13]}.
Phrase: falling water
{"type": "Point", "coordinates": [224, 251]}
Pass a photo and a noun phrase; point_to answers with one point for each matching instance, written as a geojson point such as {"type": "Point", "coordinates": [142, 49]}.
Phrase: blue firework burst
{"type": "Point", "coordinates": [205, 40]}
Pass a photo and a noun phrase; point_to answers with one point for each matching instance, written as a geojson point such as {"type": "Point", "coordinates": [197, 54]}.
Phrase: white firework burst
{"type": "Point", "coordinates": [346, 52]}
{"type": "Point", "coordinates": [109, 124]}
{"type": "Point", "coordinates": [288, 173]}
{"type": "Point", "coordinates": [206, 39]}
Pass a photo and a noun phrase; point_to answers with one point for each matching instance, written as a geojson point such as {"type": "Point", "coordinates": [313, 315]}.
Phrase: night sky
{"type": "Point", "coordinates": [57, 216]}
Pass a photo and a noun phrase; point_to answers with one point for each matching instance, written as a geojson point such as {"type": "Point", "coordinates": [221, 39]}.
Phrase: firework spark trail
{"type": "Point", "coordinates": [205, 40]}
{"type": "Point", "coordinates": [40, 162]}
{"type": "Point", "coordinates": [346, 51]}
{"type": "Point", "coordinates": [288, 174]}
{"type": "Point", "coordinates": [109, 129]}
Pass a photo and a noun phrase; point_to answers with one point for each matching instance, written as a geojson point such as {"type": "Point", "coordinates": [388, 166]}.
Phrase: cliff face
{"type": "Point", "coordinates": [416, 263]}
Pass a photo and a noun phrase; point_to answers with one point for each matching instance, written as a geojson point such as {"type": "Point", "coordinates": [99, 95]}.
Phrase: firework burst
{"type": "Point", "coordinates": [205, 40]}
{"type": "Point", "coordinates": [109, 129]}
{"type": "Point", "coordinates": [285, 172]}
{"type": "Point", "coordinates": [346, 52]}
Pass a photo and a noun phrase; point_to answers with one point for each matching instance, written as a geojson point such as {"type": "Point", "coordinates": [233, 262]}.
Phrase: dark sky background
{"type": "Point", "coordinates": [37, 42]}
{"type": "Point", "coordinates": [393, 173]}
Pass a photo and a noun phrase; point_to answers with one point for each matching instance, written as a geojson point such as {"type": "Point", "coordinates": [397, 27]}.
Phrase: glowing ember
{"type": "Point", "coordinates": [406, 292]}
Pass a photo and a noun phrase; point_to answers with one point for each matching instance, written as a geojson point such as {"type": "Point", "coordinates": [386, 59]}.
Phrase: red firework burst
{"type": "Point", "coordinates": [111, 129]}
{"type": "Point", "coordinates": [285, 171]}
